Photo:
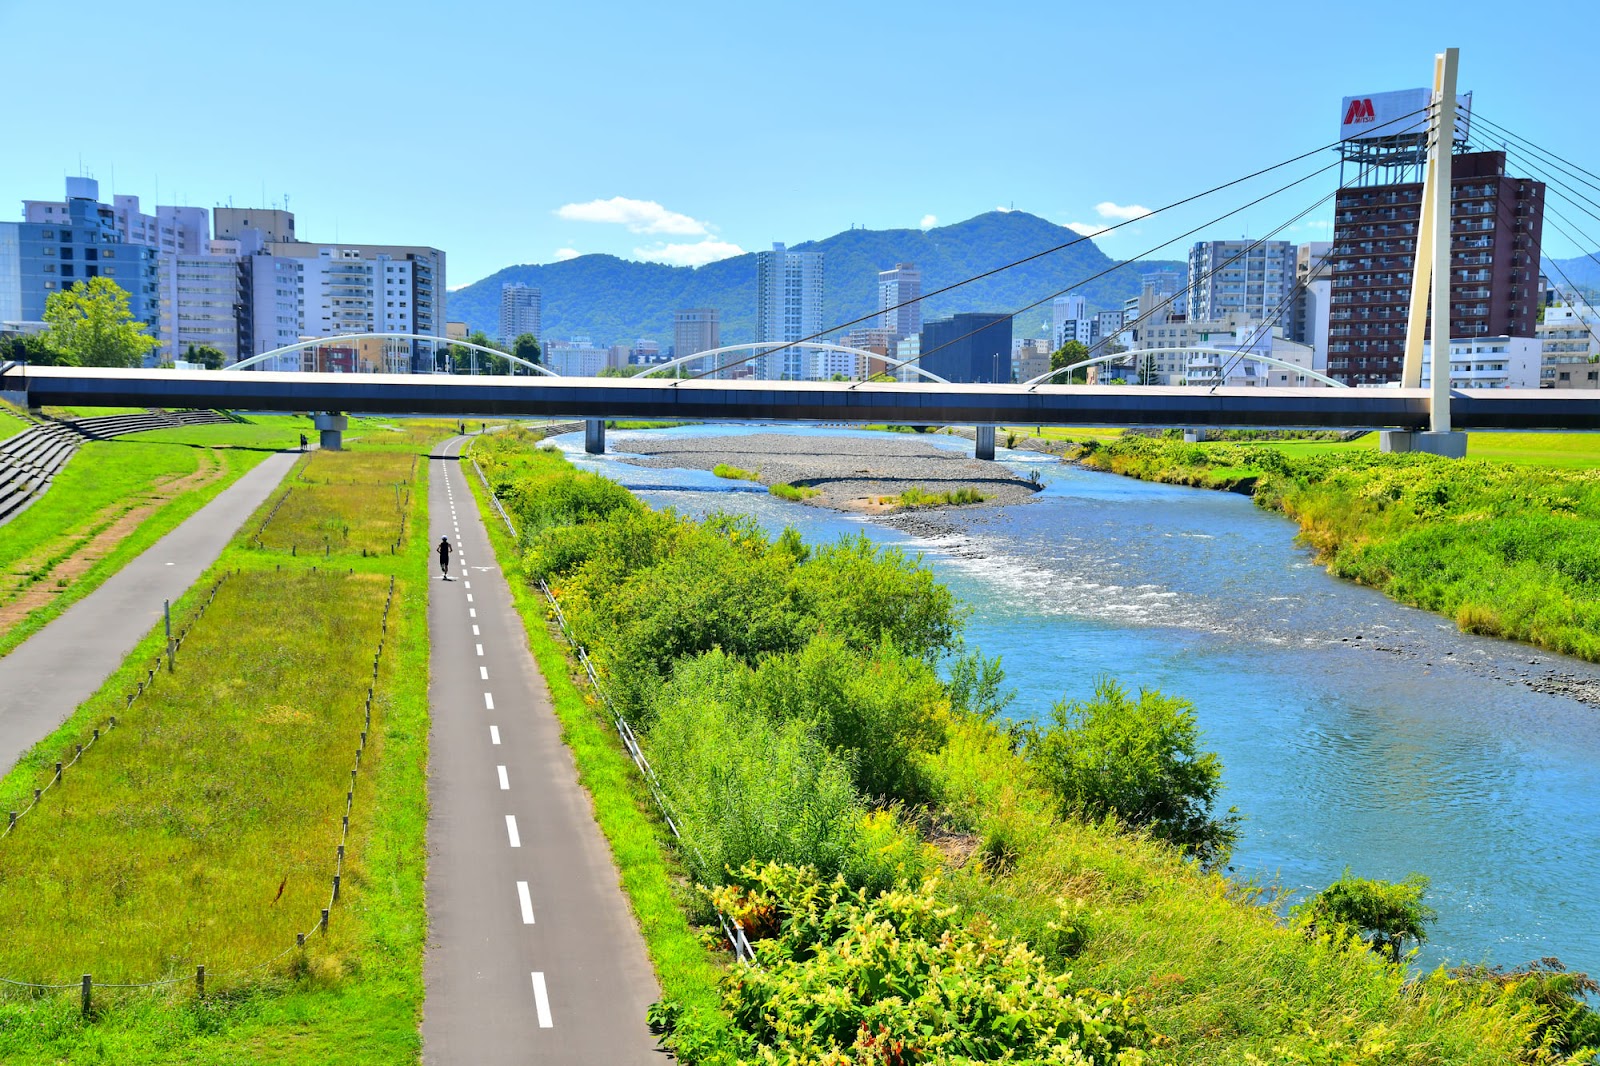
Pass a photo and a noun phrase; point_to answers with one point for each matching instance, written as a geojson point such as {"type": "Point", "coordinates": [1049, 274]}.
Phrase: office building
{"type": "Point", "coordinates": [521, 311]}
{"type": "Point", "coordinates": [76, 239]}
{"type": "Point", "coordinates": [275, 226]}
{"type": "Point", "coordinates": [789, 293]}
{"type": "Point", "coordinates": [902, 285]}
{"type": "Point", "coordinates": [578, 357]}
{"type": "Point", "coordinates": [1248, 278]}
{"type": "Point", "coordinates": [971, 346]}
{"type": "Point", "coordinates": [698, 329]}
{"type": "Point", "coordinates": [201, 297]}
{"type": "Point", "coordinates": [1496, 226]}
{"type": "Point", "coordinates": [1070, 321]}
{"type": "Point", "coordinates": [1310, 307]}
{"type": "Point", "coordinates": [1030, 357]}
{"type": "Point", "coordinates": [1488, 363]}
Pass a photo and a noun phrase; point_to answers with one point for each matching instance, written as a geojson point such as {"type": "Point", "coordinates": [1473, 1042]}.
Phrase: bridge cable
{"type": "Point", "coordinates": [1094, 277]}
{"type": "Point", "coordinates": [1049, 251]}
{"type": "Point", "coordinates": [1239, 353]}
{"type": "Point", "coordinates": [1526, 144]}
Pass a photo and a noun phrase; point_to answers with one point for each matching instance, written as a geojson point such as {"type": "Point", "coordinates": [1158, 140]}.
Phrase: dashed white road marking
{"type": "Point", "coordinates": [511, 831]}
{"type": "Point", "coordinates": [475, 631]}
{"type": "Point", "coordinates": [505, 783]}
{"type": "Point", "coordinates": [541, 1000]}
{"type": "Point", "coordinates": [488, 701]}
{"type": "Point", "coordinates": [494, 734]}
{"type": "Point", "coordinates": [483, 673]}
{"type": "Point", "coordinates": [480, 649]}
{"type": "Point", "coordinates": [527, 902]}
{"type": "Point", "coordinates": [472, 612]}
{"type": "Point", "coordinates": [469, 597]}
{"type": "Point", "coordinates": [469, 584]}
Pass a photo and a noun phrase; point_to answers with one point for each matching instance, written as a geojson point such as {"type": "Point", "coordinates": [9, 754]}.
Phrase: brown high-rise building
{"type": "Point", "coordinates": [1495, 227]}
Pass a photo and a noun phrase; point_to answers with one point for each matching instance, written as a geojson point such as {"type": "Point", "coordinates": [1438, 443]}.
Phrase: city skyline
{"type": "Point", "coordinates": [673, 208]}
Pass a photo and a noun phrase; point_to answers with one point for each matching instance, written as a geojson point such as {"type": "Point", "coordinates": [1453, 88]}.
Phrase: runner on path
{"type": "Point", "coordinates": [444, 557]}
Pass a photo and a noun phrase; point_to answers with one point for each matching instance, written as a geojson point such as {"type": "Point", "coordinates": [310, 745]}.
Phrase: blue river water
{"type": "Point", "coordinates": [1353, 732]}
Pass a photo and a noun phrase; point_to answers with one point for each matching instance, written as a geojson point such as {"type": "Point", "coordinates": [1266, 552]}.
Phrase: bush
{"type": "Point", "coordinates": [1555, 995]}
{"type": "Point", "coordinates": [1383, 913]}
{"type": "Point", "coordinates": [1140, 762]}
{"type": "Point", "coordinates": [897, 978]}
{"type": "Point", "coordinates": [864, 595]}
{"type": "Point", "coordinates": [798, 493]}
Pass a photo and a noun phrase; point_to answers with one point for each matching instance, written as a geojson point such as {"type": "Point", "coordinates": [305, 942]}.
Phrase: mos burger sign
{"type": "Point", "coordinates": [1402, 113]}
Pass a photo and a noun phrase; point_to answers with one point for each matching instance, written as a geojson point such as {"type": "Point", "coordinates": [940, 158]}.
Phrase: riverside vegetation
{"type": "Point", "coordinates": [203, 828]}
{"type": "Point", "coordinates": [1505, 550]}
{"type": "Point", "coordinates": [924, 881]}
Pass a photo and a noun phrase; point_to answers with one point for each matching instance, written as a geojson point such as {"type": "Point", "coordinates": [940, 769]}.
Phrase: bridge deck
{"type": "Point", "coordinates": [709, 400]}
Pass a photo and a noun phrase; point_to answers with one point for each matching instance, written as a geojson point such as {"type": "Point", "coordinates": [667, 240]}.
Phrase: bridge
{"type": "Point", "coordinates": [898, 403]}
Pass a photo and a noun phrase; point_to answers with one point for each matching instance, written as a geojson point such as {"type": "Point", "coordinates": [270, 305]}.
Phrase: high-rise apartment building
{"type": "Point", "coordinates": [1311, 305]}
{"type": "Point", "coordinates": [789, 291]}
{"type": "Point", "coordinates": [1248, 278]}
{"type": "Point", "coordinates": [698, 329]}
{"type": "Point", "coordinates": [1069, 320]}
{"type": "Point", "coordinates": [902, 285]}
{"type": "Point", "coordinates": [1496, 222]}
{"type": "Point", "coordinates": [521, 311]}
{"type": "Point", "coordinates": [201, 297]}
{"type": "Point", "coordinates": [274, 224]}
{"type": "Point", "coordinates": [971, 346]}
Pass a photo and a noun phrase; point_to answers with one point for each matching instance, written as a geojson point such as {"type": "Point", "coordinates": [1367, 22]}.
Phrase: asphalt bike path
{"type": "Point", "coordinates": [533, 955]}
{"type": "Point", "coordinates": [47, 676]}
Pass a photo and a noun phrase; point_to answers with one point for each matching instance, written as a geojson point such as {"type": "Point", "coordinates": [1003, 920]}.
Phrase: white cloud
{"type": "Point", "coordinates": [1085, 229]}
{"type": "Point", "coordinates": [929, 221]}
{"type": "Point", "coordinates": [697, 254]}
{"type": "Point", "coordinates": [640, 216]}
{"type": "Point", "coordinates": [1319, 224]}
{"type": "Point", "coordinates": [563, 254]}
{"type": "Point", "coordinates": [1124, 213]}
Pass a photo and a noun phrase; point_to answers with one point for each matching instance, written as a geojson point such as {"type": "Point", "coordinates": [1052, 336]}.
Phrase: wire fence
{"type": "Point", "coordinates": [86, 985]}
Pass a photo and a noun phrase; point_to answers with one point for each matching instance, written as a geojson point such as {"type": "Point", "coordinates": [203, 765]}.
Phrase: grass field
{"type": "Point", "coordinates": [166, 845]}
{"type": "Point", "coordinates": [10, 423]}
{"type": "Point", "coordinates": [339, 503]}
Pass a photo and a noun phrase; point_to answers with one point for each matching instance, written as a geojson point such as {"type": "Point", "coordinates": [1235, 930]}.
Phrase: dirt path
{"type": "Point", "coordinates": [66, 558]}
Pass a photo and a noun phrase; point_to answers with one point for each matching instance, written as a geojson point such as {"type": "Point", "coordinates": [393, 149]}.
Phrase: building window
{"type": "Point", "coordinates": [48, 234]}
{"type": "Point", "coordinates": [108, 253]}
{"type": "Point", "coordinates": [66, 270]}
{"type": "Point", "coordinates": [66, 235]}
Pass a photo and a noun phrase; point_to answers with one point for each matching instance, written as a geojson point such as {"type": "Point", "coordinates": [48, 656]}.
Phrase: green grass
{"type": "Point", "coordinates": [11, 424]}
{"type": "Point", "coordinates": [636, 425]}
{"type": "Point", "coordinates": [101, 482]}
{"type": "Point", "coordinates": [734, 473]}
{"type": "Point", "coordinates": [249, 776]}
{"type": "Point", "coordinates": [339, 503]}
{"type": "Point", "coordinates": [798, 493]}
{"type": "Point", "coordinates": [1062, 433]}
{"type": "Point", "coordinates": [92, 412]}
{"type": "Point", "coordinates": [917, 496]}
{"type": "Point", "coordinates": [271, 432]}
{"type": "Point", "coordinates": [686, 969]}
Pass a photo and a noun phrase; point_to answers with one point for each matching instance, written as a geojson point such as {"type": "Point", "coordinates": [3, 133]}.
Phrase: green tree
{"type": "Point", "coordinates": [1069, 353]}
{"type": "Point", "coordinates": [90, 325]}
{"type": "Point", "coordinates": [526, 346]}
{"type": "Point", "coordinates": [1140, 761]}
{"type": "Point", "coordinates": [207, 356]}
{"type": "Point", "coordinates": [1383, 913]}
{"type": "Point", "coordinates": [30, 348]}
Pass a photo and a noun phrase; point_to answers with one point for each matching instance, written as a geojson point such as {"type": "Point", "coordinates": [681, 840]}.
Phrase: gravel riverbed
{"type": "Point", "coordinates": [849, 473]}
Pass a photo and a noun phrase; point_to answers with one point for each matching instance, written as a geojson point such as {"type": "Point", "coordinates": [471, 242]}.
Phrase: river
{"type": "Point", "coordinates": [1353, 732]}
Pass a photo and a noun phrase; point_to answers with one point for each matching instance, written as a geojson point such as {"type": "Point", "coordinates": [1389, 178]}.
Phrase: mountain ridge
{"type": "Point", "coordinates": [614, 300]}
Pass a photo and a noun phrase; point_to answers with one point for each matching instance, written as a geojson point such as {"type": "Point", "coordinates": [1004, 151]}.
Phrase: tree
{"type": "Point", "coordinates": [463, 360]}
{"type": "Point", "coordinates": [1383, 913]}
{"type": "Point", "coordinates": [207, 356]}
{"type": "Point", "coordinates": [90, 325]}
{"type": "Point", "coordinates": [1140, 761]}
{"type": "Point", "coordinates": [526, 346]}
{"type": "Point", "coordinates": [30, 348]}
{"type": "Point", "coordinates": [1069, 353]}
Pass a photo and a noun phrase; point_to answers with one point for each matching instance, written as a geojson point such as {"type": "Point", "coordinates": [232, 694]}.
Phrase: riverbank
{"type": "Point", "coordinates": [709, 634]}
{"type": "Point", "coordinates": [860, 474]}
{"type": "Point", "coordinates": [1505, 551]}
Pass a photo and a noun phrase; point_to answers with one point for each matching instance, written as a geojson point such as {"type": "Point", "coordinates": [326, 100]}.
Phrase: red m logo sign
{"type": "Point", "coordinates": [1359, 111]}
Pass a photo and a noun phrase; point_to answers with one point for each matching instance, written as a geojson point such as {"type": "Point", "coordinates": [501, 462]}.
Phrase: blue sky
{"type": "Point", "coordinates": [524, 132]}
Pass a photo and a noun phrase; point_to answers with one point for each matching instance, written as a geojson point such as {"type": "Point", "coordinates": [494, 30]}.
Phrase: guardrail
{"type": "Point", "coordinates": [86, 984]}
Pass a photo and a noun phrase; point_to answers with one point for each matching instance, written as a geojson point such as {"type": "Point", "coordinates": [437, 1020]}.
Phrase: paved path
{"type": "Point", "coordinates": [533, 955]}
{"type": "Point", "coordinates": [48, 675]}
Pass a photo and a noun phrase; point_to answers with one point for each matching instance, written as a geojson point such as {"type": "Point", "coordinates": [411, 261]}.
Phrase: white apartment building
{"type": "Point", "coordinates": [578, 357]}
{"type": "Point", "coordinates": [1488, 363]}
{"type": "Point", "coordinates": [1240, 277]}
{"type": "Point", "coordinates": [200, 298]}
{"type": "Point", "coordinates": [895, 287]}
{"type": "Point", "coordinates": [1070, 321]}
{"type": "Point", "coordinates": [274, 289]}
{"type": "Point", "coordinates": [1241, 371]}
{"type": "Point", "coordinates": [521, 311]}
{"type": "Point", "coordinates": [1568, 335]}
{"type": "Point", "coordinates": [371, 288]}
{"type": "Point", "coordinates": [789, 290]}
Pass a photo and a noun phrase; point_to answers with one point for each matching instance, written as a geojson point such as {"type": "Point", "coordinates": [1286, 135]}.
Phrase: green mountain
{"type": "Point", "coordinates": [616, 300]}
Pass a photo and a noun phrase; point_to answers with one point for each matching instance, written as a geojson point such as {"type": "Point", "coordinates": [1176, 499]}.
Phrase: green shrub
{"type": "Point", "coordinates": [798, 493]}
{"type": "Point", "coordinates": [734, 473]}
{"type": "Point", "coordinates": [1385, 914]}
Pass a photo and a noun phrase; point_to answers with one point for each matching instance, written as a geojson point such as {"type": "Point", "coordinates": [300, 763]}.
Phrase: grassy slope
{"type": "Point", "coordinates": [360, 1006]}
{"type": "Point", "coordinates": [686, 969]}
{"type": "Point", "coordinates": [10, 424]}
{"type": "Point", "coordinates": [1219, 978]}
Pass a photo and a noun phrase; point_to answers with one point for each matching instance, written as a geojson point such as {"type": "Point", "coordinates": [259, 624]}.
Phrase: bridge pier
{"type": "Point", "coordinates": [330, 428]}
{"type": "Point", "coordinates": [594, 436]}
{"type": "Point", "coordinates": [985, 442]}
{"type": "Point", "coordinates": [1195, 436]}
{"type": "Point", "coordinates": [1450, 445]}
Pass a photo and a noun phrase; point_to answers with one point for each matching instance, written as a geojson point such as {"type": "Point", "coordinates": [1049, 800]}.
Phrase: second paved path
{"type": "Point", "coordinates": [533, 954]}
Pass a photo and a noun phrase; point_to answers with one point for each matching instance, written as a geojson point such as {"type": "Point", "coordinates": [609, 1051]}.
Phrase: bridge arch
{"type": "Point", "coordinates": [769, 345]}
{"type": "Point", "coordinates": [245, 364]}
{"type": "Point", "coordinates": [1270, 360]}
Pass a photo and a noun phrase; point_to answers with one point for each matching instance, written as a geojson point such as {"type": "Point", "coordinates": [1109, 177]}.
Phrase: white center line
{"type": "Point", "coordinates": [483, 673]}
{"type": "Point", "coordinates": [475, 631]}
{"type": "Point", "coordinates": [505, 785]}
{"type": "Point", "coordinates": [541, 1001]}
{"type": "Point", "coordinates": [488, 701]}
{"type": "Point", "coordinates": [494, 734]}
{"type": "Point", "coordinates": [527, 902]}
{"type": "Point", "coordinates": [469, 584]}
{"type": "Point", "coordinates": [480, 649]}
{"type": "Point", "coordinates": [469, 597]}
{"type": "Point", "coordinates": [472, 612]}
{"type": "Point", "coordinates": [511, 831]}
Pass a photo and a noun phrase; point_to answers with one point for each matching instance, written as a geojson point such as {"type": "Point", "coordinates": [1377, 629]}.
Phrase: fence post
{"type": "Point", "coordinates": [299, 940]}
{"type": "Point", "coordinates": [87, 995]}
{"type": "Point", "coordinates": [200, 980]}
{"type": "Point", "coordinates": [58, 773]}
{"type": "Point", "coordinates": [166, 612]}
{"type": "Point", "coordinates": [335, 886]}
{"type": "Point", "coordinates": [324, 925]}
{"type": "Point", "coordinates": [13, 823]}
